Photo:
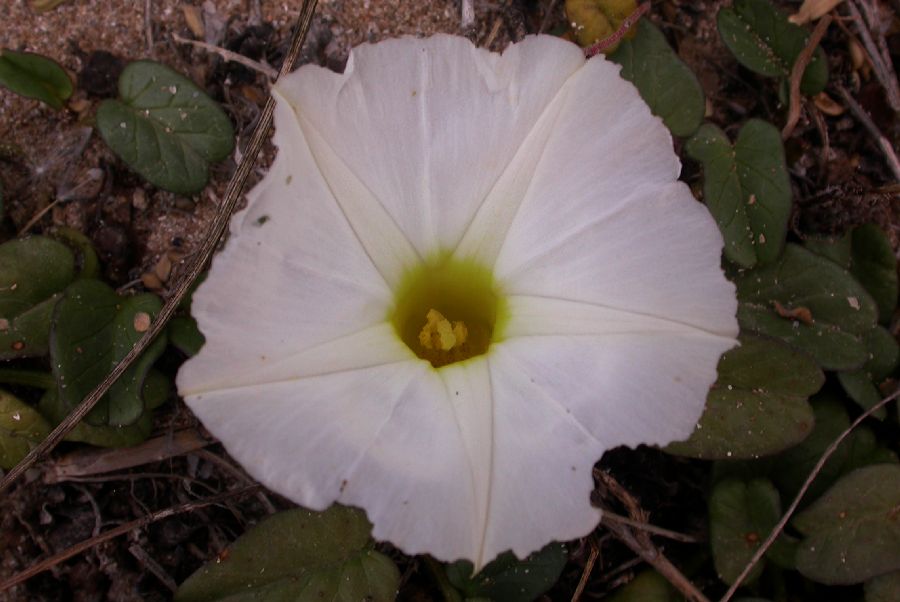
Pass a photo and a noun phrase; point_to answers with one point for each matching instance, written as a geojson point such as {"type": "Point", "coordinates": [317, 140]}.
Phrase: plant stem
{"type": "Point", "coordinates": [28, 378]}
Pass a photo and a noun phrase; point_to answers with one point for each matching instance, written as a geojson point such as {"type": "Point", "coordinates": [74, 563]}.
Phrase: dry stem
{"type": "Point", "coordinates": [87, 544]}
{"type": "Point", "coordinates": [797, 72]}
{"type": "Point", "coordinates": [890, 155]}
{"type": "Point", "coordinates": [640, 543]}
{"type": "Point", "coordinates": [230, 56]}
{"type": "Point", "coordinates": [776, 531]}
{"type": "Point", "coordinates": [884, 70]}
{"type": "Point", "coordinates": [586, 573]}
{"type": "Point", "coordinates": [199, 260]}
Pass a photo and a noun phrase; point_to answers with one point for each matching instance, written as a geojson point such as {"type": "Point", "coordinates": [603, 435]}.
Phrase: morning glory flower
{"type": "Point", "coordinates": [465, 276]}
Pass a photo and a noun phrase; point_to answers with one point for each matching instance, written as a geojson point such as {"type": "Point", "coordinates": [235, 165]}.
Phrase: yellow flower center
{"type": "Point", "coordinates": [448, 311]}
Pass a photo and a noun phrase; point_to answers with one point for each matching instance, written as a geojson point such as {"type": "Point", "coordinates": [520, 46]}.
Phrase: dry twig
{"type": "Point", "coordinates": [148, 25]}
{"type": "Point", "coordinates": [882, 67]}
{"type": "Point", "coordinates": [230, 56]}
{"type": "Point", "coordinates": [232, 195]}
{"type": "Point", "coordinates": [153, 517]}
{"type": "Point", "coordinates": [640, 543]}
{"type": "Point", "coordinates": [586, 573]}
{"type": "Point", "coordinates": [797, 72]}
{"type": "Point", "coordinates": [93, 461]}
{"type": "Point", "coordinates": [776, 531]}
{"type": "Point", "coordinates": [890, 155]}
{"type": "Point", "coordinates": [644, 526]}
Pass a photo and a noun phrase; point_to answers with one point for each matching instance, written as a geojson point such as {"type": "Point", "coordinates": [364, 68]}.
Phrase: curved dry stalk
{"type": "Point", "coordinates": [199, 260]}
{"type": "Point", "coordinates": [229, 56]}
{"type": "Point", "coordinates": [100, 538]}
{"type": "Point", "coordinates": [803, 60]}
{"type": "Point", "coordinates": [776, 531]}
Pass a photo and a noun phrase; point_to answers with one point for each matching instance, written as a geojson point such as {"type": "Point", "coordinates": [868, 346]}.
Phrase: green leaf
{"type": "Point", "coordinates": [155, 392]}
{"type": "Point", "coordinates": [746, 188]}
{"type": "Point", "coordinates": [165, 128]}
{"type": "Point", "coordinates": [185, 336]}
{"type": "Point", "coordinates": [33, 271]}
{"type": "Point", "coordinates": [86, 257]}
{"type": "Point", "coordinates": [862, 385]}
{"type": "Point", "coordinates": [665, 83]}
{"type": "Point", "coordinates": [93, 329]}
{"type": "Point", "coordinates": [763, 40]}
{"type": "Point", "coordinates": [875, 267]}
{"type": "Point", "coordinates": [885, 588]}
{"type": "Point", "coordinates": [298, 556]}
{"type": "Point", "coordinates": [758, 405]}
{"type": "Point", "coordinates": [21, 428]}
{"type": "Point", "coordinates": [838, 250]}
{"type": "Point", "coordinates": [810, 303]}
{"type": "Point", "coordinates": [741, 515]}
{"type": "Point", "coordinates": [508, 579]}
{"type": "Point", "coordinates": [35, 76]}
{"type": "Point", "coordinates": [861, 448]}
{"type": "Point", "coordinates": [853, 531]}
{"type": "Point", "coordinates": [649, 586]}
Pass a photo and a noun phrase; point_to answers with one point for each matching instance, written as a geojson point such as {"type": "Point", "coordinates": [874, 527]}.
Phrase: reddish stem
{"type": "Point", "coordinates": [617, 36]}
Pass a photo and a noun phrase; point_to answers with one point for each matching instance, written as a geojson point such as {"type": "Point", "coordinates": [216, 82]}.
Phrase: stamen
{"type": "Point", "coordinates": [439, 334]}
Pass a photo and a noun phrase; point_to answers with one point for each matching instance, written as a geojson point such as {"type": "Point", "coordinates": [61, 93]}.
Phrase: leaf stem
{"type": "Point", "coordinates": [28, 378]}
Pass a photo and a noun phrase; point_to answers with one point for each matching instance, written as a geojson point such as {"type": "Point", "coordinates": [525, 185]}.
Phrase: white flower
{"type": "Point", "coordinates": [530, 196]}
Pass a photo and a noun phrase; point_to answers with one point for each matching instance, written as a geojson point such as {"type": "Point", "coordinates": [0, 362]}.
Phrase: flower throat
{"type": "Point", "coordinates": [448, 311]}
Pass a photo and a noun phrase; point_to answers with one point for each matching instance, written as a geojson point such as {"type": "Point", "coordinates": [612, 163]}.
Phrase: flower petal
{"type": "Point", "coordinates": [292, 276]}
{"type": "Point", "coordinates": [428, 125]}
{"type": "Point", "coordinates": [596, 143]}
{"type": "Point", "coordinates": [407, 443]}
{"type": "Point", "coordinates": [655, 253]}
{"type": "Point", "coordinates": [303, 437]}
{"type": "Point", "coordinates": [624, 389]}
{"type": "Point", "coordinates": [540, 316]}
{"type": "Point", "coordinates": [541, 467]}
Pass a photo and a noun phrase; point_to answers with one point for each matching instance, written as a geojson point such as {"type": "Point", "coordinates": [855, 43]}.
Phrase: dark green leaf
{"type": "Point", "coordinates": [298, 556]}
{"type": "Point", "coordinates": [649, 586]}
{"type": "Point", "coordinates": [790, 469]}
{"type": "Point", "coordinates": [86, 258]}
{"type": "Point", "coordinates": [812, 304]}
{"type": "Point", "coordinates": [746, 188]}
{"type": "Point", "coordinates": [838, 250]}
{"type": "Point", "coordinates": [875, 267]}
{"type": "Point", "coordinates": [665, 83]}
{"type": "Point", "coordinates": [885, 588]}
{"type": "Point", "coordinates": [155, 392]}
{"type": "Point", "coordinates": [758, 405]}
{"type": "Point", "coordinates": [165, 127]}
{"type": "Point", "coordinates": [185, 336]}
{"type": "Point", "coordinates": [93, 329]}
{"type": "Point", "coordinates": [741, 515]}
{"type": "Point", "coordinates": [35, 76]}
{"type": "Point", "coordinates": [763, 40]}
{"type": "Point", "coordinates": [33, 271]}
{"type": "Point", "coordinates": [21, 428]}
{"type": "Point", "coordinates": [508, 579]}
{"type": "Point", "coordinates": [853, 531]}
{"type": "Point", "coordinates": [863, 385]}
